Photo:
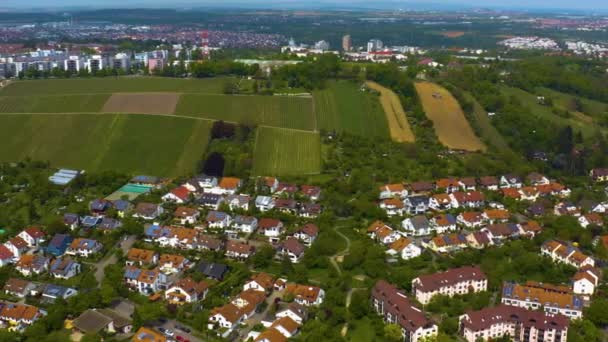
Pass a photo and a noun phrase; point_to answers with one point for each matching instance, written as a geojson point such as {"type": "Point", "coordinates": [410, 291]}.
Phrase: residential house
{"type": "Point", "coordinates": [496, 215]}
{"type": "Point", "coordinates": [287, 189]}
{"type": "Point", "coordinates": [448, 185]}
{"type": "Point", "coordinates": [30, 264]}
{"type": "Point", "coordinates": [590, 219]}
{"type": "Point", "coordinates": [98, 207]}
{"type": "Point", "coordinates": [310, 210]}
{"type": "Point", "coordinates": [489, 183]}
{"type": "Point", "coordinates": [97, 321]}
{"type": "Point", "coordinates": [245, 224]}
{"type": "Point", "coordinates": [20, 316]}
{"type": "Point", "coordinates": [18, 287]}
{"type": "Point", "coordinates": [271, 228]}
{"type": "Point", "coordinates": [599, 175]}
{"type": "Point", "coordinates": [566, 208]}
{"type": "Point", "coordinates": [474, 199]}
{"type": "Point", "coordinates": [90, 222]}
{"type": "Point", "coordinates": [285, 326]}
{"type": "Point", "coordinates": [479, 240]}
{"type": "Point", "coordinates": [148, 211]}
{"type": "Point", "coordinates": [455, 281]}
{"type": "Point", "coordinates": [147, 180]}
{"type": "Point", "coordinates": [392, 206]}
{"type": "Point", "coordinates": [443, 223]}
{"type": "Point", "coordinates": [218, 219]}
{"type": "Point", "coordinates": [405, 248]}
{"type": "Point", "coordinates": [307, 234]}
{"type": "Point", "coordinates": [536, 210]}
{"type": "Point", "coordinates": [271, 184]}
{"type": "Point", "coordinates": [421, 188]}
{"type": "Point", "coordinates": [122, 207]}
{"type": "Point", "coordinates": [179, 195]}
{"type": "Point", "coordinates": [260, 282]}
{"type": "Point", "coordinates": [447, 243]}
{"type": "Point", "coordinates": [382, 233]}
{"type": "Point", "coordinates": [226, 317]}
{"type": "Point", "coordinates": [536, 179]}
{"type": "Point", "coordinates": [585, 281]}
{"type": "Point", "coordinates": [264, 203]}
{"type": "Point", "coordinates": [210, 243]}
{"type": "Point", "coordinates": [227, 186]}
{"type": "Point", "coordinates": [33, 236]}
{"type": "Point", "coordinates": [397, 190]}
{"type": "Point", "coordinates": [530, 228]}
{"type": "Point", "coordinates": [515, 323]}
{"type": "Point", "coordinates": [6, 256]}
{"type": "Point", "coordinates": [210, 200]}
{"type": "Point", "coordinates": [201, 182]}
{"type": "Point", "coordinates": [512, 193]}
{"type": "Point", "coordinates": [58, 245]}
{"type": "Point", "coordinates": [175, 237]}
{"type": "Point", "coordinates": [84, 247]}
{"type": "Point", "coordinates": [108, 225]}
{"type": "Point", "coordinates": [416, 205]}
{"type": "Point", "coordinates": [146, 282]}
{"type": "Point", "coordinates": [510, 181]}
{"type": "Point", "coordinates": [294, 311]}
{"type": "Point", "coordinates": [185, 215]}
{"type": "Point", "coordinates": [312, 192]}
{"type": "Point", "coordinates": [17, 246]}
{"type": "Point", "coordinates": [467, 184]}
{"type": "Point", "coordinates": [470, 219]}
{"type": "Point", "coordinates": [239, 250]}
{"type": "Point", "coordinates": [440, 202]}
{"type": "Point", "coordinates": [292, 249]}
{"type": "Point", "coordinates": [286, 205]}
{"type": "Point", "coordinates": [64, 268]}
{"type": "Point", "coordinates": [186, 290]}
{"type": "Point", "coordinates": [538, 296]}
{"type": "Point", "coordinates": [417, 226]}
{"type": "Point", "coordinates": [238, 201]}
{"type": "Point", "coordinates": [71, 220]}
{"type": "Point", "coordinates": [172, 263]}
{"type": "Point", "coordinates": [306, 295]}
{"type": "Point", "coordinates": [502, 231]}
{"type": "Point", "coordinates": [142, 257]}
{"type": "Point", "coordinates": [529, 193]}
{"type": "Point", "coordinates": [53, 292]}
{"type": "Point", "coordinates": [212, 270]}
{"type": "Point", "coordinates": [566, 253]}
{"type": "Point", "coordinates": [396, 308]}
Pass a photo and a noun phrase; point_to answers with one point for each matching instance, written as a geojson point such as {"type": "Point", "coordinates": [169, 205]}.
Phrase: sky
{"type": "Point", "coordinates": [563, 4]}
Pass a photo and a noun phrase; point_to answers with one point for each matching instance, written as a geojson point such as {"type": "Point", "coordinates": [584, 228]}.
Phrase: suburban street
{"type": "Point", "coordinates": [170, 324]}
{"type": "Point", "coordinates": [257, 318]}
{"type": "Point", "coordinates": [100, 266]}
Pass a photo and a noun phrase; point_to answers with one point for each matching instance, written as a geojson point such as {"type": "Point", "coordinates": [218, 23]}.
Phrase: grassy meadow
{"type": "Point", "coordinates": [343, 107]}
{"type": "Point", "coordinates": [286, 152]}
{"type": "Point", "coordinates": [147, 144]}
{"type": "Point", "coordinates": [276, 111]}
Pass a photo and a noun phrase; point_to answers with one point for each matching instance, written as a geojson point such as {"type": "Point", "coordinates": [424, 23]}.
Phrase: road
{"type": "Point", "coordinates": [258, 317]}
{"type": "Point", "coordinates": [171, 325]}
{"type": "Point", "coordinates": [100, 266]}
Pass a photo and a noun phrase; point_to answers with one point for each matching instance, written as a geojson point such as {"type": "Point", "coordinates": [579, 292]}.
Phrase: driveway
{"type": "Point", "coordinates": [100, 266]}
{"type": "Point", "coordinates": [258, 317]}
{"type": "Point", "coordinates": [171, 325]}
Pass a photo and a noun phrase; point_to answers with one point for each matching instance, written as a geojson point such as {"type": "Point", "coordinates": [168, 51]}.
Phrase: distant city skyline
{"type": "Point", "coordinates": [516, 4]}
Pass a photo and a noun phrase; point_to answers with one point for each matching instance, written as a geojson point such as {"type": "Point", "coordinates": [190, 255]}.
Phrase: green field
{"type": "Point", "coordinates": [592, 108]}
{"type": "Point", "coordinates": [115, 85]}
{"type": "Point", "coordinates": [362, 331]}
{"type": "Point", "coordinates": [276, 111]}
{"type": "Point", "coordinates": [546, 113]}
{"type": "Point", "coordinates": [286, 152]}
{"type": "Point", "coordinates": [134, 144]}
{"type": "Point", "coordinates": [345, 108]}
{"type": "Point", "coordinates": [488, 132]}
{"type": "Point", "coordinates": [53, 104]}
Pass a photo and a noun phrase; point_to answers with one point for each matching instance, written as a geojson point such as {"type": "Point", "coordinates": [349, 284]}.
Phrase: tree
{"type": "Point", "coordinates": [392, 333]}
{"type": "Point", "coordinates": [598, 312]}
{"type": "Point", "coordinates": [263, 256]}
{"type": "Point", "coordinates": [359, 304]}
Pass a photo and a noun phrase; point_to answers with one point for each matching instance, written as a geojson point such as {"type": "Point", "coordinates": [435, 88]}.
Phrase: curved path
{"type": "Point", "coordinates": [344, 252]}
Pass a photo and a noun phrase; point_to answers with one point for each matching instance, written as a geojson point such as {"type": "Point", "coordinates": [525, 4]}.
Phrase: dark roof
{"type": "Point", "coordinates": [435, 281]}
{"type": "Point", "coordinates": [398, 305]}
{"type": "Point", "coordinates": [485, 318]}
{"type": "Point", "coordinates": [212, 270]}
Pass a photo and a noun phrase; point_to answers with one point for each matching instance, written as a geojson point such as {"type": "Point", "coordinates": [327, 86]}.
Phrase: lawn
{"type": "Point", "coordinates": [286, 152]}
{"type": "Point", "coordinates": [344, 107]}
{"type": "Point", "coordinates": [53, 104]}
{"type": "Point", "coordinates": [115, 85]}
{"type": "Point", "coordinates": [362, 331]}
{"type": "Point", "coordinates": [546, 113]}
{"type": "Point", "coordinates": [488, 131]}
{"type": "Point", "coordinates": [594, 109]}
{"type": "Point", "coordinates": [277, 111]}
{"type": "Point", "coordinates": [133, 144]}
{"type": "Point", "coordinates": [451, 125]}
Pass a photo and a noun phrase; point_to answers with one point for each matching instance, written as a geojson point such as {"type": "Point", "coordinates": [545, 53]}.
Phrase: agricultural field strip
{"type": "Point", "coordinates": [399, 127]}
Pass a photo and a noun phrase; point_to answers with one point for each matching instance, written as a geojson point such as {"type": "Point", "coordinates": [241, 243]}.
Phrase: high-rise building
{"type": "Point", "coordinates": [347, 43]}
{"type": "Point", "coordinates": [374, 45]}
{"type": "Point", "coordinates": [322, 45]}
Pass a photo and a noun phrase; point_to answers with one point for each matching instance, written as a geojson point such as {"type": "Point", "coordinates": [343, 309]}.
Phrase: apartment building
{"type": "Point", "coordinates": [456, 281]}
{"type": "Point", "coordinates": [566, 253]}
{"type": "Point", "coordinates": [552, 299]}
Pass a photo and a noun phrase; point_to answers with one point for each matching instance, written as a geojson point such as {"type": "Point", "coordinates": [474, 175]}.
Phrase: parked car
{"type": "Point", "coordinates": [183, 328]}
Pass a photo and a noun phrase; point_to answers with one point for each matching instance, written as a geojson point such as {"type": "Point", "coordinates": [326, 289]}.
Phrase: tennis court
{"type": "Point", "coordinates": [130, 190]}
